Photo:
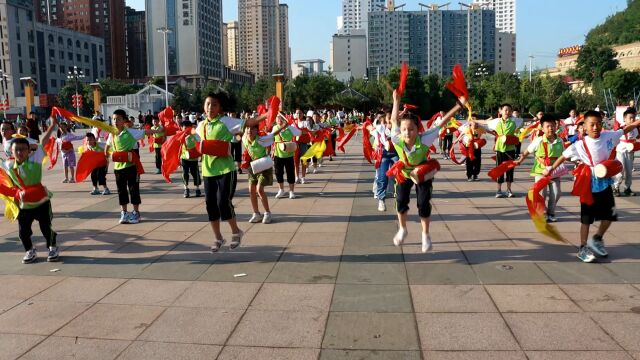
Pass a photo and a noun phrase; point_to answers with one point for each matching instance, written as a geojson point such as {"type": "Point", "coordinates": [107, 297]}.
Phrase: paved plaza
{"type": "Point", "coordinates": [323, 281]}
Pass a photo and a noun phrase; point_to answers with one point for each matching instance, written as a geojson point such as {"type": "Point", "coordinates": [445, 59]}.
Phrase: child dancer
{"type": "Point", "coordinates": [625, 154]}
{"type": "Point", "coordinates": [283, 159]}
{"type": "Point", "coordinates": [546, 149]}
{"type": "Point", "coordinates": [382, 135]}
{"type": "Point", "coordinates": [25, 172]}
{"type": "Point", "coordinates": [596, 200]}
{"type": "Point", "coordinates": [158, 140]}
{"type": "Point", "coordinates": [68, 153]}
{"type": "Point", "coordinates": [469, 132]}
{"type": "Point", "coordinates": [98, 175]}
{"type": "Point", "coordinates": [189, 161]}
{"type": "Point", "coordinates": [303, 140]}
{"type": "Point", "coordinates": [219, 172]}
{"type": "Point", "coordinates": [413, 150]}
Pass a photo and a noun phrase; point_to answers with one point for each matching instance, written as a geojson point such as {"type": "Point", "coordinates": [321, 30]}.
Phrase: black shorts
{"type": "Point", "coordinates": [603, 208]}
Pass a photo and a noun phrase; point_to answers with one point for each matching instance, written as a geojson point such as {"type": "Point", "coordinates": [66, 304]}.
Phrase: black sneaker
{"type": "Point", "coordinates": [54, 254]}
{"type": "Point", "coordinates": [186, 193]}
{"type": "Point", "coordinates": [616, 192]}
{"type": "Point", "coordinates": [198, 193]}
{"type": "Point", "coordinates": [628, 192]}
{"type": "Point", "coordinates": [475, 178]}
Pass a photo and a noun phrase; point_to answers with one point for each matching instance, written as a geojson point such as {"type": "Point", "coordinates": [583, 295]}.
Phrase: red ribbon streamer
{"type": "Point", "coordinates": [404, 72]}
{"type": "Point", "coordinates": [89, 161]}
{"type": "Point", "coordinates": [499, 170]}
{"type": "Point", "coordinates": [458, 85]}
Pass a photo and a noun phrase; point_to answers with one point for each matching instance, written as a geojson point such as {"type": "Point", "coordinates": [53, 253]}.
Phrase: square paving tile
{"type": "Point", "coordinates": [329, 354]}
{"type": "Point", "coordinates": [75, 289]}
{"type": "Point", "coordinates": [372, 273]}
{"type": "Point", "coordinates": [169, 351]}
{"type": "Point", "coordinates": [511, 273]}
{"type": "Point", "coordinates": [473, 331]}
{"type": "Point", "coordinates": [371, 331]}
{"type": "Point", "coordinates": [445, 254]}
{"type": "Point", "coordinates": [8, 303]}
{"type": "Point", "coordinates": [39, 317]}
{"type": "Point", "coordinates": [558, 331]}
{"type": "Point", "coordinates": [441, 274]}
{"type": "Point", "coordinates": [173, 270]}
{"type": "Point", "coordinates": [628, 271]}
{"type": "Point", "coordinates": [254, 272]}
{"type": "Point", "coordinates": [623, 327]}
{"type": "Point", "coordinates": [76, 348]}
{"type": "Point", "coordinates": [579, 273]}
{"type": "Point", "coordinates": [474, 355]}
{"type": "Point", "coordinates": [582, 355]}
{"type": "Point", "coordinates": [253, 353]}
{"type": "Point", "coordinates": [293, 297]}
{"type": "Point", "coordinates": [108, 321]}
{"type": "Point", "coordinates": [13, 286]}
{"type": "Point", "coordinates": [371, 298]}
{"type": "Point", "coordinates": [531, 298]}
{"type": "Point", "coordinates": [451, 298]}
{"type": "Point", "coordinates": [14, 345]}
{"type": "Point", "coordinates": [304, 273]}
{"type": "Point", "coordinates": [197, 326]}
{"type": "Point", "coordinates": [604, 297]}
{"type": "Point", "coordinates": [318, 239]}
{"type": "Point", "coordinates": [147, 292]}
{"type": "Point", "coordinates": [280, 329]}
{"type": "Point", "coordinates": [221, 295]}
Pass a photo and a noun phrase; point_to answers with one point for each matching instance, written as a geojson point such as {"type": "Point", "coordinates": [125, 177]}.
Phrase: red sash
{"type": "Point", "coordinates": [31, 194]}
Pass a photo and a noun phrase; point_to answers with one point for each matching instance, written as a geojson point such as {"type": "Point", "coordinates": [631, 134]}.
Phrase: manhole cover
{"type": "Point", "coordinates": [636, 309]}
{"type": "Point", "coordinates": [504, 267]}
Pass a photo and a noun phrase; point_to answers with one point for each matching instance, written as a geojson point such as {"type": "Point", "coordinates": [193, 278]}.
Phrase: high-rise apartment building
{"type": "Point", "coordinates": [232, 45]}
{"type": "Point", "coordinates": [348, 55]}
{"type": "Point", "coordinates": [101, 18]}
{"type": "Point", "coordinates": [432, 41]}
{"type": "Point", "coordinates": [136, 43]}
{"type": "Point", "coordinates": [505, 33]}
{"type": "Point", "coordinates": [355, 14]}
{"type": "Point", "coordinates": [194, 39]}
{"type": "Point", "coordinates": [263, 37]}
{"type": "Point", "coordinates": [45, 53]}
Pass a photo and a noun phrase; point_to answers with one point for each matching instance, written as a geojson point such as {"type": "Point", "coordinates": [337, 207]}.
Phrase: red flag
{"type": "Point", "coordinates": [346, 139]}
{"type": "Point", "coordinates": [274, 108]}
{"type": "Point", "coordinates": [499, 170]}
{"type": "Point", "coordinates": [166, 118]}
{"type": "Point", "coordinates": [404, 72]}
{"type": "Point", "coordinates": [52, 151]}
{"type": "Point", "coordinates": [329, 151]}
{"type": "Point", "coordinates": [458, 85]}
{"type": "Point", "coordinates": [170, 152]}
{"type": "Point", "coordinates": [89, 161]}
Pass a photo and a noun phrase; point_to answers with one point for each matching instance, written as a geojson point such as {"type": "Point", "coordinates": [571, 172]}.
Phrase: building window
{"type": "Point", "coordinates": [54, 83]}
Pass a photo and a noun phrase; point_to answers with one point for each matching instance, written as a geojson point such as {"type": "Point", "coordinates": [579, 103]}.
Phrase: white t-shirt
{"type": "Point", "coordinates": [136, 133]}
{"type": "Point", "coordinates": [630, 136]}
{"type": "Point", "coordinates": [599, 148]}
{"type": "Point", "coordinates": [493, 123]}
{"type": "Point", "coordinates": [570, 123]}
{"type": "Point", "coordinates": [294, 130]}
{"type": "Point", "coordinates": [381, 133]}
{"type": "Point", "coordinates": [235, 126]}
{"type": "Point", "coordinates": [427, 138]}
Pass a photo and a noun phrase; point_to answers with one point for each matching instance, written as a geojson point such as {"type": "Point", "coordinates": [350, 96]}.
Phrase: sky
{"type": "Point", "coordinates": [542, 26]}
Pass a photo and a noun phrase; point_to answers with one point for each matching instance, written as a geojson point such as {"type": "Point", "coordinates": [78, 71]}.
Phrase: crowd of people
{"type": "Point", "coordinates": [218, 146]}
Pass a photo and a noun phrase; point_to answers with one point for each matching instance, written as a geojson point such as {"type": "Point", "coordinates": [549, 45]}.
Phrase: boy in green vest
{"type": "Point", "coordinates": [127, 179]}
{"type": "Point", "coordinates": [25, 171]}
{"type": "Point", "coordinates": [158, 140]}
{"type": "Point", "coordinates": [546, 149]}
{"type": "Point", "coordinates": [189, 162]}
{"type": "Point", "coordinates": [284, 160]}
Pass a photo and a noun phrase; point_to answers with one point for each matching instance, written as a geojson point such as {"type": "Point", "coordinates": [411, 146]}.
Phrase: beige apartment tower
{"type": "Point", "coordinates": [263, 29]}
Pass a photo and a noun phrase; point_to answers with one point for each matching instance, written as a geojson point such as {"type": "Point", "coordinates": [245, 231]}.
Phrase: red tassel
{"type": "Point", "coordinates": [582, 185]}
{"type": "Point", "coordinates": [170, 152]}
{"type": "Point", "coordinates": [272, 113]}
{"type": "Point", "coordinates": [404, 72]}
{"type": "Point", "coordinates": [499, 170]}
{"type": "Point", "coordinates": [261, 109]}
{"type": "Point", "coordinates": [89, 161]}
{"type": "Point", "coordinates": [396, 171]}
{"type": "Point", "coordinates": [329, 151]}
{"type": "Point", "coordinates": [452, 156]}
{"type": "Point", "coordinates": [367, 147]}
{"type": "Point", "coordinates": [458, 85]}
{"type": "Point", "coordinates": [340, 134]}
{"type": "Point", "coordinates": [52, 151]}
{"type": "Point", "coordinates": [246, 160]}
{"type": "Point", "coordinates": [345, 139]}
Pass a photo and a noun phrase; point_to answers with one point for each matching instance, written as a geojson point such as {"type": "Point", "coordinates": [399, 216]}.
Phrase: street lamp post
{"type": "Point", "coordinates": [76, 74]}
{"type": "Point", "coordinates": [3, 81]}
{"type": "Point", "coordinates": [165, 30]}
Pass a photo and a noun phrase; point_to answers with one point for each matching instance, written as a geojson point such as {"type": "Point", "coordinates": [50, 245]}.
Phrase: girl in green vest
{"type": "Point", "coordinates": [546, 149]}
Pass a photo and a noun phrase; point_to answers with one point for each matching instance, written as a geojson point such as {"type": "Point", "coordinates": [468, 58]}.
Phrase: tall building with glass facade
{"type": "Point", "coordinates": [194, 44]}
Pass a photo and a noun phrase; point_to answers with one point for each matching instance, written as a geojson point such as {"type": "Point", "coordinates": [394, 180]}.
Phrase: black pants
{"type": "Point", "coordinates": [218, 194]}
{"type": "Point", "coordinates": [127, 182]}
{"type": "Point", "coordinates": [99, 176]}
{"type": "Point", "coordinates": [333, 142]}
{"type": "Point", "coordinates": [473, 167]}
{"type": "Point", "coordinates": [446, 143]}
{"type": "Point", "coordinates": [502, 157]}
{"type": "Point", "coordinates": [189, 166]}
{"type": "Point", "coordinates": [236, 151]}
{"type": "Point", "coordinates": [158, 158]}
{"type": "Point", "coordinates": [44, 216]}
{"type": "Point", "coordinates": [423, 193]}
{"type": "Point", "coordinates": [282, 164]}
{"type": "Point", "coordinates": [518, 148]}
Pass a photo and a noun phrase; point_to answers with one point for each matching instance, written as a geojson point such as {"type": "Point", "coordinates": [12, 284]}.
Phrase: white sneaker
{"type": "Point", "coordinates": [299, 181]}
{"type": "Point", "coordinates": [30, 256]}
{"type": "Point", "coordinates": [381, 206]}
{"type": "Point", "coordinates": [266, 219]}
{"type": "Point", "coordinates": [400, 236]}
{"type": "Point", "coordinates": [303, 181]}
{"type": "Point", "coordinates": [426, 242]}
{"type": "Point", "coordinates": [281, 194]}
{"type": "Point", "coordinates": [315, 170]}
{"type": "Point", "coordinates": [292, 195]}
{"type": "Point", "coordinates": [256, 218]}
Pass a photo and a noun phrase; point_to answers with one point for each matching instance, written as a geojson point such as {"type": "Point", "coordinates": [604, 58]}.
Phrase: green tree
{"type": "Point", "coordinates": [620, 28]}
{"type": "Point", "coordinates": [621, 83]}
{"type": "Point", "coordinates": [593, 62]}
{"type": "Point", "coordinates": [180, 100]}
{"type": "Point", "coordinates": [565, 103]}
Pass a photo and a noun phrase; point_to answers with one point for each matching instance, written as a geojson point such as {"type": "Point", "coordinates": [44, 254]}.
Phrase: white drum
{"type": "Point", "coordinates": [262, 164]}
{"type": "Point", "coordinates": [288, 146]}
{"type": "Point", "coordinates": [560, 171]}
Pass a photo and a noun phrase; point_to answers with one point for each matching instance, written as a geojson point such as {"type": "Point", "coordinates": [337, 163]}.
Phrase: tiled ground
{"type": "Point", "coordinates": [322, 282]}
